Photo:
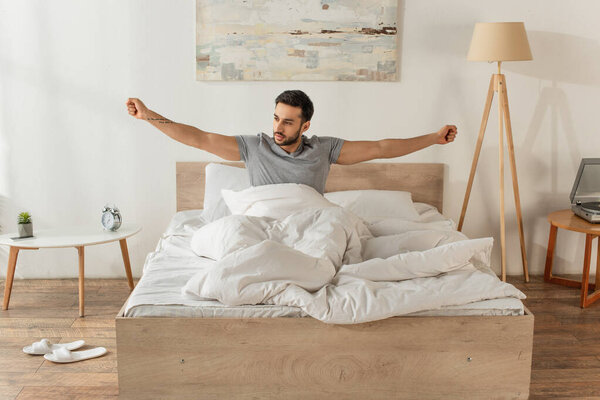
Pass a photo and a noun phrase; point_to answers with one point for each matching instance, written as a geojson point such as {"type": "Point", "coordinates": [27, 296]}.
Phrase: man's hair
{"type": "Point", "coordinates": [297, 98]}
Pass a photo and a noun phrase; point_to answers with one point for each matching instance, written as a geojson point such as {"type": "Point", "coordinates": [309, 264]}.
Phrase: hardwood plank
{"type": "Point", "coordinates": [567, 351]}
{"type": "Point", "coordinates": [105, 364]}
{"type": "Point", "coordinates": [586, 333]}
{"type": "Point", "coordinates": [568, 375]}
{"type": "Point", "coordinates": [51, 283]}
{"type": "Point", "coordinates": [21, 364]}
{"type": "Point", "coordinates": [114, 289]}
{"type": "Point", "coordinates": [565, 390]}
{"type": "Point", "coordinates": [573, 362]}
{"type": "Point", "coordinates": [17, 343]}
{"type": "Point", "coordinates": [30, 296]}
{"type": "Point", "coordinates": [94, 323]}
{"type": "Point", "coordinates": [36, 322]}
{"type": "Point", "coordinates": [9, 392]}
{"type": "Point", "coordinates": [102, 312]}
{"type": "Point", "coordinates": [565, 294]}
{"type": "Point", "coordinates": [72, 392]}
{"type": "Point", "coordinates": [13, 359]}
{"type": "Point", "coordinates": [58, 332]}
{"type": "Point", "coordinates": [557, 337]}
{"type": "Point", "coordinates": [54, 378]}
{"type": "Point", "coordinates": [584, 319]}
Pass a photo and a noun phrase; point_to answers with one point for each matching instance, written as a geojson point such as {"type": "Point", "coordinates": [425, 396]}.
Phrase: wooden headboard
{"type": "Point", "coordinates": [424, 181]}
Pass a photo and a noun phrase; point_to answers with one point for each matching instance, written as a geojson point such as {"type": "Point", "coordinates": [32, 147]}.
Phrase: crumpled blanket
{"type": "Point", "coordinates": [329, 263]}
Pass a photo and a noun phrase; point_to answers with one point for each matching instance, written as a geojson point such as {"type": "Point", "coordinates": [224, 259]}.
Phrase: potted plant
{"type": "Point", "coordinates": [25, 225]}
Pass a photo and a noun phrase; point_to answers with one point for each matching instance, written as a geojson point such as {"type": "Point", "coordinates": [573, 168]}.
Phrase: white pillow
{"type": "Point", "coordinates": [218, 177]}
{"type": "Point", "coordinates": [274, 201]}
{"type": "Point", "coordinates": [372, 205]}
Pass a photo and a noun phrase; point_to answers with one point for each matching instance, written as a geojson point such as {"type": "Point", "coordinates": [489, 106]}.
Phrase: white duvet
{"type": "Point", "coordinates": [338, 269]}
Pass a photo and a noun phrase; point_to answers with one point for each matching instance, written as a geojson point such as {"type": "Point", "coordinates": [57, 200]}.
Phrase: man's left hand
{"type": "Point", "coordinates": [446, 134]}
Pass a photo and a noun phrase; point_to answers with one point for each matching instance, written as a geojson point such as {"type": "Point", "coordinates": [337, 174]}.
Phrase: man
{"type": "Point", "coordinates": [289, 156]}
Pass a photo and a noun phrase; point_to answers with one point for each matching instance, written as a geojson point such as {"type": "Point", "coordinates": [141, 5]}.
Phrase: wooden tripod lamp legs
{"type": "Point", "coordinates": [513, 170]}
{"type": "Point", "coordinates": [498, 83]}
{"type": "Point", "coordinates": [500, 89]}
{"type": "Point", "coordinates": [484, 120]}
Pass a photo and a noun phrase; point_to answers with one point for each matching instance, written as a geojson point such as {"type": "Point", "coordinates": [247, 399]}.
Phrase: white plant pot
{"type": "Point", "coordinates": [25, 230]}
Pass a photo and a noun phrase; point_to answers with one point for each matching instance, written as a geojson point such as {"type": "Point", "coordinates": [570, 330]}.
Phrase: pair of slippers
{"type": "Point", "coordinates": [63, 352]}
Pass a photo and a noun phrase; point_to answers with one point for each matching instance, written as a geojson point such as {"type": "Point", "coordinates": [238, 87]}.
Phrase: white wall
{"type": "Point", "coordinates": [67, 144]}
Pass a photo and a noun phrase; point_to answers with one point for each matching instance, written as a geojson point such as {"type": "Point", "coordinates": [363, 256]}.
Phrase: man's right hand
{"type": "Point", "coordinates": [136, 108]}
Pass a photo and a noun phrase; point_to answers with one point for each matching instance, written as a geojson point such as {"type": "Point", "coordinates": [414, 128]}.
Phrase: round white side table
{"type": "Point", "coordinates": [77, 237]}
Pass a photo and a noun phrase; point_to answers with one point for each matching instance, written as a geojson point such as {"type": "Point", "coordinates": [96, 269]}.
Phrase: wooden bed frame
{"type": "Point", "coordinates": [301, 358]}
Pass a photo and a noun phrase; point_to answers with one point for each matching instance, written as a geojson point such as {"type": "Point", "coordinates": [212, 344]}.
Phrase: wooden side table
{"type": "Point", "coordinates": [77, 237]}
{"type": "Point", "coordinates": [565, 219]}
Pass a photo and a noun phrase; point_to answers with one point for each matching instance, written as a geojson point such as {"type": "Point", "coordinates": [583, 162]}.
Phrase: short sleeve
{"type": "Point", "coordinates": [335, 150]}
{"type": "Point", "coordinates": [243, 145]}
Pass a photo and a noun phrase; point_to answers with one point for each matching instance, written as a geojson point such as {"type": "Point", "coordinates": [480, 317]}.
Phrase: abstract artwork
{"type": "Point", "coordinates": [300, 40]}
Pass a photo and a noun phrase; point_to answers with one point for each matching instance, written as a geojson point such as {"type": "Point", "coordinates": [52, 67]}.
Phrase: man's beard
{"type": "Point", "coordinates": [288, 141]}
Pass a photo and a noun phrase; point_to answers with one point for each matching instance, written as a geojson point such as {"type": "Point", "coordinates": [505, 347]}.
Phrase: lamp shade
{"type": "Point", "coordinates": [499, 41]}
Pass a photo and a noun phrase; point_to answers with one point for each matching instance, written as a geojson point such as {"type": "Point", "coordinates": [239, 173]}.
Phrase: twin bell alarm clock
{"type": "Point", "coordinates": [111, 217]}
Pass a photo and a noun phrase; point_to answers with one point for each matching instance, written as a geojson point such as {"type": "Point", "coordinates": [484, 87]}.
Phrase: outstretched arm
{"type": "Point", "coordinates": [223, 146]}
{"type": "Point", "coordinates": [358, 151]}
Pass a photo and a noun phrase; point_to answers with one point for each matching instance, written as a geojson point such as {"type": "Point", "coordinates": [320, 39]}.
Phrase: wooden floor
{"type": "Point", "coordinates": [49, 309]}
{"type": "Point", "coordinates": [566, 348]}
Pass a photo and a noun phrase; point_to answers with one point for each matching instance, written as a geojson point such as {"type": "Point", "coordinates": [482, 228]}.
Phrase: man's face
{"type": "Point", "coordinates": [287, 124]}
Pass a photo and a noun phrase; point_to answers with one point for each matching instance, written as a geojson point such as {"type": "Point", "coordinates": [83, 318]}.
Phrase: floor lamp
{"type": "Point", "coordinates": [498, 42]}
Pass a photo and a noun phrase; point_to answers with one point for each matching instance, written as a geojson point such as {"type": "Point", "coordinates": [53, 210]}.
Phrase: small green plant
{"type": "Point", "coordinates": [24, 218]}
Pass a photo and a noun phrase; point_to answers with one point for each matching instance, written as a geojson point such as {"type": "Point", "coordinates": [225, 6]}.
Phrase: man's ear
{"type": "Point", "coordinates": [305, 126]}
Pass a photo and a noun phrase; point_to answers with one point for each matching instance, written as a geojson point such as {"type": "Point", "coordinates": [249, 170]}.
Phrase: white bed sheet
{"type": "Point", "coordinates": [172, 264]}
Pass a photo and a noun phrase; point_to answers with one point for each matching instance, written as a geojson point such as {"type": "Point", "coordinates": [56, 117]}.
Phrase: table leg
{"type": "Point", "coordinates": [598, 265]}
{"type": "Point", "coordinates": [10, 274]}
{"type": "Point", "coordinates": [81, 280]}
{"type": "Point", "coordinates": [586, 268]}
{"type": "Point", "coordinates": [125, 254]}
{"type": "Point", "coordinates": [550, 253]}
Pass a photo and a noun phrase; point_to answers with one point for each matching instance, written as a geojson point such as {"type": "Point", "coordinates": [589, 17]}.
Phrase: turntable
{"type": "Point", "coordinates": [585, 195]}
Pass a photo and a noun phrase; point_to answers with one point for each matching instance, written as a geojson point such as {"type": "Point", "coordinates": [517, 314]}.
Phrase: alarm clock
{"type": "Point", "coordinates": [111, 218]}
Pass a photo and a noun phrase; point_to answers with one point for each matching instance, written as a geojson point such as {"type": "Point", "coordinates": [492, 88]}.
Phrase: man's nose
{"type": "Point", "coordinates": [279, 126]}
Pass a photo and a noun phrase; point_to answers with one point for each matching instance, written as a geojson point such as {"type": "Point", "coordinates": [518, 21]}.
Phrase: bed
{"type": "Point", "coordinates": [265, 351]}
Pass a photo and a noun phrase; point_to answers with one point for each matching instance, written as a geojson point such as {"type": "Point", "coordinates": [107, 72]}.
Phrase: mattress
{"type": "Point", "coordinates": [172, 264]}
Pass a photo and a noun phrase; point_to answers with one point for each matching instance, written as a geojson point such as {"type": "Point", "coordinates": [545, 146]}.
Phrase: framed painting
{"type": "Point", "coordinates": [301, 40]}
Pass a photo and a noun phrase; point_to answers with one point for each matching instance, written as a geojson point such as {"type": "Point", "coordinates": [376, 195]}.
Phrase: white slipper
{"type": "Point", "coordinates": [63, 355]}
{"type": "Point", "coordinates": [45, 347]}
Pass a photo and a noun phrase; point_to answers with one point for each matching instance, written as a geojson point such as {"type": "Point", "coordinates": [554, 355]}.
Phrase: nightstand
{"type": "Point", "coordinates": [565, 219]}
{"type": "Point", "coordinates": [77, 237]}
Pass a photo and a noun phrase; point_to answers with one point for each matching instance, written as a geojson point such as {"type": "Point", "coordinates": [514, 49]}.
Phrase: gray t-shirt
{"type": "Point", "coordinates": [267, 163]}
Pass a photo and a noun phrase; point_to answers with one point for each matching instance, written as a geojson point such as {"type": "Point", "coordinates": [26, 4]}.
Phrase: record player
{"type": "Point", "coordinates": [585, 195]}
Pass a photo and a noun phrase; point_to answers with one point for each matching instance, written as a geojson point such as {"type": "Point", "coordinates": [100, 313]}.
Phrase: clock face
{"type": "Point", "coordinates": [108, 220]}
